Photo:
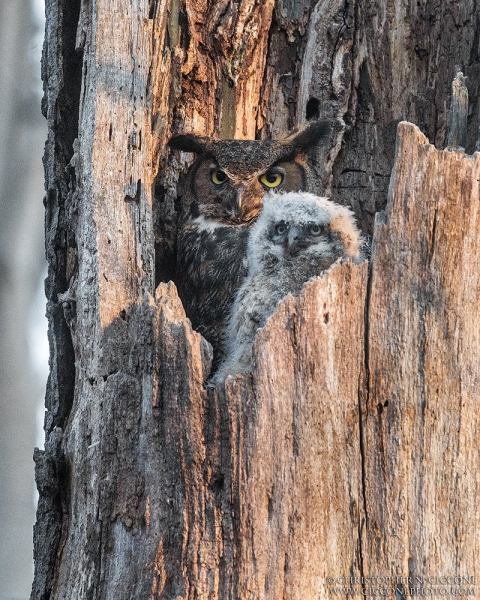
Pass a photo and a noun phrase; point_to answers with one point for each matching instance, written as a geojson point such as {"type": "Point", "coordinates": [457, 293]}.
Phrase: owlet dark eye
{"type": "Point", "coordinates": [281, 228]}
{"type": "Point", "coordinates": [219, 177]}
{"type": "Point", "coordinates": [314, 229]}
{"type": "Point", "coordinates": [271, 179]}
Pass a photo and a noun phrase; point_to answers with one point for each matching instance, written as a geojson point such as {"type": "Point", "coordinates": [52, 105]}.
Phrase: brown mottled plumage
{"type": "Point", "coordinates": [223, 198]}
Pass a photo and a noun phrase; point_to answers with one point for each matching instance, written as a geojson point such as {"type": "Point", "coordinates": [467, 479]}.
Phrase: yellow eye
{"type": "Point", "coordinates": [271, 180]}
{"type": "Point", "coordinates": [218, 177]}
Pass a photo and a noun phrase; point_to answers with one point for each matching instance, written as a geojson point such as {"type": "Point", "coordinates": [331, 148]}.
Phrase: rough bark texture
{"type": "Point", "coordinates": [421, 418]}
{"type": "Point", "coordinates": [61, 73]}
{"type": "Point", "coordinates": [152, 486]}
{"type": "Point", "coordinates": [300, 499]}
{"type": "Point", "coordinates": [234, 493]}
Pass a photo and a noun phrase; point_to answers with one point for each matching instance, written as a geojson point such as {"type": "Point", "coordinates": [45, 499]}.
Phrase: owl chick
{"type": "Point", "coordinates": [296, 237]}
{"type": "Point", "coordinates": [223, 197]}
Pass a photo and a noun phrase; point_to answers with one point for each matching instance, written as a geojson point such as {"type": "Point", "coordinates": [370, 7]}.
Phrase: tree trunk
{"type": "Point", "coordinates": [421, 423]}
{"type": "Point", "coordinates": [328, 462]}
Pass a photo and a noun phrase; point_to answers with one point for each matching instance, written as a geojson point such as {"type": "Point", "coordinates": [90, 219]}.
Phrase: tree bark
{"type": "Point", "coordinates": [325, 463]}
{"type": "Point", "coordinates": [421, 418]}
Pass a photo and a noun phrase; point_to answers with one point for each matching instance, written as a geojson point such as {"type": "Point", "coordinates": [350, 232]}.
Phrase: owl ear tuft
{"type": "Point", "coordinates": [308, 136]}
{"type": "Point", "coordinates": [189, 142]}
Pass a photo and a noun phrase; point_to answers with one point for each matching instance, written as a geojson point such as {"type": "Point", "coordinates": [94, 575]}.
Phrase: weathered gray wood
{"type": "Point", "coordinates": [458, 115]}
{"type": "Point", "coordinates": [61, 73]}
{"type": "Point", "coordinates": [112, 268]}
{"type": "Point", "coordinates": [421, 415]}
{"type": "Point", "coordinates": [387, 62]}
{"type": "Point", "coordinates": [135, 444]}
{"type": "Point", "coordinates": [301, 507]}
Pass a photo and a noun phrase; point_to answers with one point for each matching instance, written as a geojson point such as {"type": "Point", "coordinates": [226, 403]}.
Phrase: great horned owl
{"type": "Point", "coordinates": [223, 197]}
{"type": "Point", "coordinates": [296, 237]}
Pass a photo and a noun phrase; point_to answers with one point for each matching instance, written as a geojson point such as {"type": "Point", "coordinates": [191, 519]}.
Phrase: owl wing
{"type": "Point", "coordinates": [210, 269]}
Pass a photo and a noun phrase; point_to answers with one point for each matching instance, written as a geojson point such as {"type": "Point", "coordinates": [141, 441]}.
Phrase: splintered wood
{"type": "Point", "coordinates": [421, 413]}
{"type": "Point", "coordinates": [225, 59]}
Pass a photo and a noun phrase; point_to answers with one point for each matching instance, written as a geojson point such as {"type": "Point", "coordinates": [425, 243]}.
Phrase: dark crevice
{"type": "Point", "coordinates": [363, 402]}
{"type": "Point", "coordinates": [184, 30]}
{"type": "Point", "coordinates": [134, 192]}
{"type": "Point", "coordinates": [312, 111]}
{"type": "Point", "coordinates": [152, 11]}
{"type": "Point", "coordinates": [60, 195]}
{"type": "Point", "coordinates": [431, 248]}
{"type": "Point", "coordinates": [353, 171]}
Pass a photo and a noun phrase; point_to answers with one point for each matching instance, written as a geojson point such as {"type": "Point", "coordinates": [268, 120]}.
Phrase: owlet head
{"type": "Point", "coordinates": [230, 178]}
{"type": "Point", "coordinates": [300, 229]}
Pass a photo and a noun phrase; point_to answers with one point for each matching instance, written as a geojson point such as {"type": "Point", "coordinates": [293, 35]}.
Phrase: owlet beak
{"type": "Point", "coordinates": [294, 241]}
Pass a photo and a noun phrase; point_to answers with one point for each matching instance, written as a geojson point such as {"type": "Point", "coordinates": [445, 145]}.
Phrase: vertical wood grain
{"type": "Point", "coordinates": [421, 422]}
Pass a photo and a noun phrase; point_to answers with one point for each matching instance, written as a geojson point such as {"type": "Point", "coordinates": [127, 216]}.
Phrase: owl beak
{"type": "Point", "coordinates": [294, 241]}
{"type": "Point", "coordinates": [239, 197]}
{"type": "Point", "coordinates": [246, 203]}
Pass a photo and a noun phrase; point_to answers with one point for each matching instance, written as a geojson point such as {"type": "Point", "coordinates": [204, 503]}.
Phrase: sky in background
{"type": "Point", "coordinates": [23, 331]}
{"type": "Point", "coordinates": [38, 342]}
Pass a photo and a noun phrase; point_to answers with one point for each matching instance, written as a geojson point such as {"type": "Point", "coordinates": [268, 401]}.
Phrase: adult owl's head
{"type": "Point", "coordinates": [230, 178]}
